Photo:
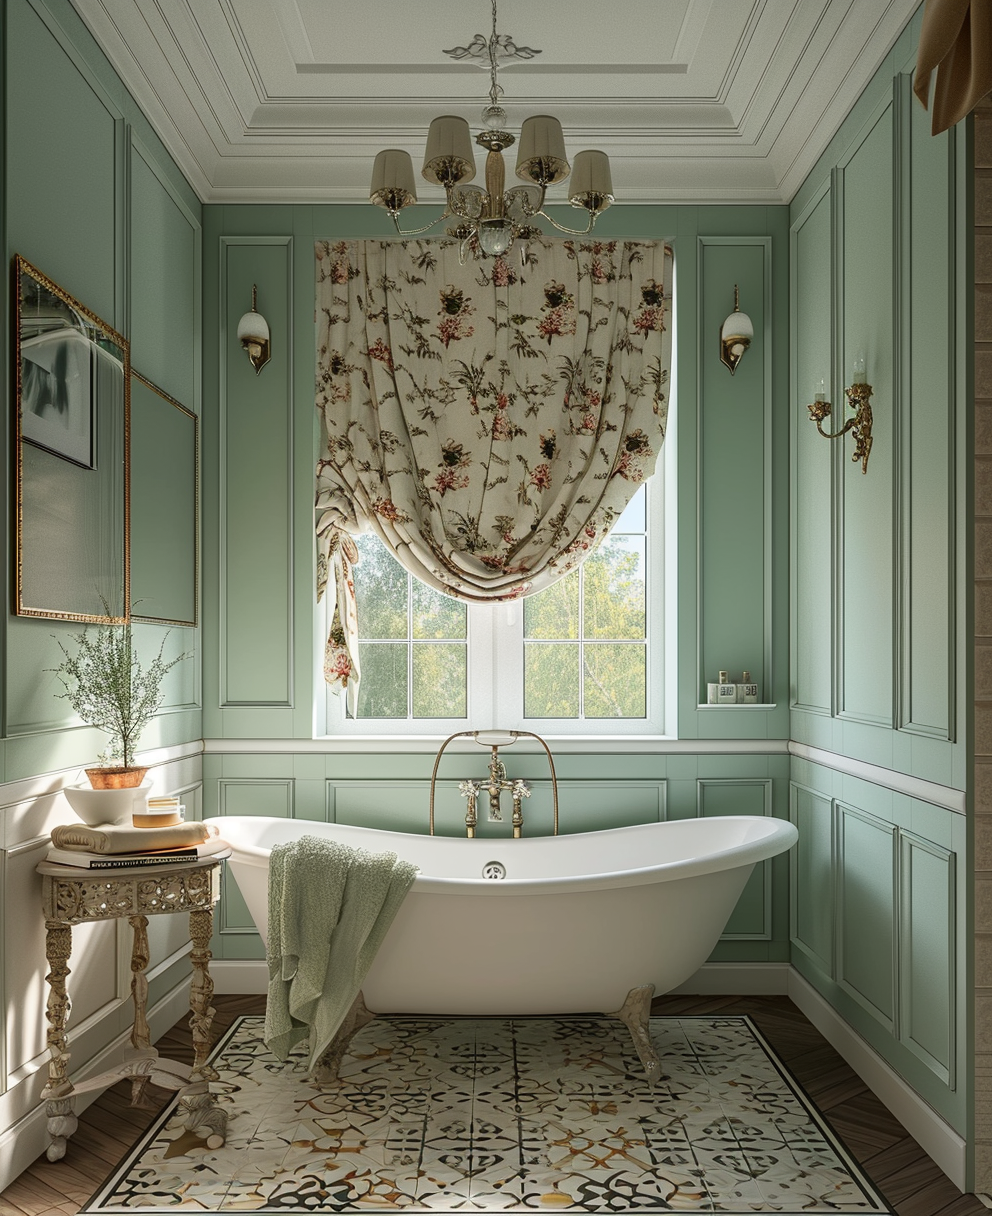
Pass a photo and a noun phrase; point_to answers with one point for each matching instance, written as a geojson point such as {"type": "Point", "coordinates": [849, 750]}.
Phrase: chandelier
{"type": "Point", "coordinates": [488, 221]}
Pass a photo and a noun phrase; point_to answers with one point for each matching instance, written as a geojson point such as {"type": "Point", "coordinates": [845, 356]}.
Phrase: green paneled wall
{"type": "Point", "coordinates": [813, 522]}
{"type": "Point", "coordinates": [734, 557]}
{"type": "Point", "coordinates": [730, 597]}
{"type": "Point", "coordinates": [880, 916]}
{"type": "Point", "coordinates": [93, 200]}
{"type": "Point", "coordinates": [864, 191]}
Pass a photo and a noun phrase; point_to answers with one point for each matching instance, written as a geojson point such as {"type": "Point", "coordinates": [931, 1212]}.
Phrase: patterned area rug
{"type": "Point", "coordinates": [507, 1115]}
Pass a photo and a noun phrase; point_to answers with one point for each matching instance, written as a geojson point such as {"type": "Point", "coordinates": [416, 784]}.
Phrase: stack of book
{"type": "Point", "coordinates": [120, 846]}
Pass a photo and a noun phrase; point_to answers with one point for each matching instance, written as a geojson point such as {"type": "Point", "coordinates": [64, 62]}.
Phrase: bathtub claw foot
{"type": "Point", "coordinates": [325, 1071]}
{"type": "Point", "coordinates": [635, 1013]}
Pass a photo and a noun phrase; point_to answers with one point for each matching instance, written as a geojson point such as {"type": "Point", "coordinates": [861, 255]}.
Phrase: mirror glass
{"type": "Point", "coordinates": [164, 524]}
{"type": "Point", "coordinates": [73, 378]}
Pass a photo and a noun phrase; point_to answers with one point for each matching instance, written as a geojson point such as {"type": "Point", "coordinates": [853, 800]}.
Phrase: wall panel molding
{"type": "Point", "coordinates": [256, 480]}
{"type": "Point", "coordinates": [746, 260]}
{"type": "Point", "coordinates": [927, 954]}
{"type": "Point", "coordinates": [811, 572]}
{"type": "Point", "coordinates": [752, 918]}
{"type": "Point", "coordinates": [867, 923]}
{"type": "Point", "coordinates": [403, 805]}
{"type": "Point", "coordinates": [944, 796]}
{"type": "Point", "coordinates": [928, 398]}
{"type": "Point", "coordinates": [811, 877]}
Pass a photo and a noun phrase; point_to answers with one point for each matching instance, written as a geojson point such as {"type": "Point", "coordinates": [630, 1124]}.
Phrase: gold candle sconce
{"type": "Point", "coordinates": [858, 397]}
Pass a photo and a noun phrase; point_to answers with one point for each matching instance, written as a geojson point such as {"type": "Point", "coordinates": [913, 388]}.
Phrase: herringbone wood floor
{"type": "Point", "coordinates": [911, 1182]}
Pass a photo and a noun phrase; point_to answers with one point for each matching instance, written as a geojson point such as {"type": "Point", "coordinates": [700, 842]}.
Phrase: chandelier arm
{"type": "Point", "coordinates": [571, 231]}
{"type": "Point", "coordinates": [445, 214]}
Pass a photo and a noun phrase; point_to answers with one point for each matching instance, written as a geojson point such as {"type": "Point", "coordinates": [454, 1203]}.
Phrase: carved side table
{"type": "Point", "coordinates": [75, 897]}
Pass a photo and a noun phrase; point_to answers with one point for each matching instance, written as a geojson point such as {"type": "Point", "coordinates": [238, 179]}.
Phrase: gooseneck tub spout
{"type": "Point", "coordinates": [498, 780]}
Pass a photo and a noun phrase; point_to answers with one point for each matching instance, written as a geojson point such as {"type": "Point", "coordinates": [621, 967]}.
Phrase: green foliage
{"type": "Point", "coordinates": [584, 633]}
{"type": "Point", "coordinates": [104, 682]}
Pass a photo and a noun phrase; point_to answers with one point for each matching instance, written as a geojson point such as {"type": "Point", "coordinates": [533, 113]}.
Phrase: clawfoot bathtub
{"type": "Point", "coordinates": [541, 925]}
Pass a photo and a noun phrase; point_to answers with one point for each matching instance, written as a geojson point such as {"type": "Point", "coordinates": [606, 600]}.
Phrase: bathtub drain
{"type": "Point", "coordinates": [493, 869]}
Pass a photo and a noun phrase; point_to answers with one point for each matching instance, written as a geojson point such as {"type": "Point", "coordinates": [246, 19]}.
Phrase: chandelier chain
{"type": "Point", "coordinates": [493, 87]}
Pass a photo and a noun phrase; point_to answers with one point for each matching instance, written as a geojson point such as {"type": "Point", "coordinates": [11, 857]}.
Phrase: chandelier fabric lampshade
{"type": "Point", "coordinates": [449, 155]}
{"type": "Point", "coordinates": [393, 183]}
{"type": "Point", "coordinates": [488, 220]}
{"type": "Point", "coordinates": [591, 177]}
{"type": "Point", "coordinates": [541, 155]}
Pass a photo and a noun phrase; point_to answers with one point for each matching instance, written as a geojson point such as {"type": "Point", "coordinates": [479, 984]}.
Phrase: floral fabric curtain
{"type": "Point", "coordinates": [488, 421]}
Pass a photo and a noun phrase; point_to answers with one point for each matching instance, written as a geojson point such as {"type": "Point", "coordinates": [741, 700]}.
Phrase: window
{"type": "Point", "coordinates": [583, 657]}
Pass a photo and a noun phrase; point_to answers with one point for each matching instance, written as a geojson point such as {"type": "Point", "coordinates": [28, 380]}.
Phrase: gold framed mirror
{"type": "Point", "coordinates": [73, 414]}
{"type": "Point", "coordinates": [164, 514]}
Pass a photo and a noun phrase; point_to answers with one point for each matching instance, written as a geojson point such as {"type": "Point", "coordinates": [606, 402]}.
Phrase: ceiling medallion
{"type": "Point", "coordinates": [488, 221]}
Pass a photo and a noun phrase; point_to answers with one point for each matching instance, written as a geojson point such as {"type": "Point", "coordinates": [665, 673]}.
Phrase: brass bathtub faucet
{"type": "Point", "coordinates": [497, 782]}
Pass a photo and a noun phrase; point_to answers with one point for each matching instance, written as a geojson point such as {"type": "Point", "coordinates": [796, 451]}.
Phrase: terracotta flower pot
{"type": "Point", "coordinates": [117, 778]}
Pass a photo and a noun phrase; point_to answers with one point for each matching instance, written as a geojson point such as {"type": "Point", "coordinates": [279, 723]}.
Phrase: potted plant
{"type": "Point", "coordinates": [104, 682]}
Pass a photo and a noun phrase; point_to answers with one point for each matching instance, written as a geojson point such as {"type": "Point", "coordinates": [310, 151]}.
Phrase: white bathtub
{"type": "Point", "coordinates": [578, 921]}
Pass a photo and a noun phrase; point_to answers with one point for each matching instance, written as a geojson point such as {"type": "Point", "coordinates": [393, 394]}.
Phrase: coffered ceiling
{"type": "Point", "coordinates": [694, 100]}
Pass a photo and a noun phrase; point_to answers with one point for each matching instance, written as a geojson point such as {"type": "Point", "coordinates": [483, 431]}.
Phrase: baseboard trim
{"type": "Point", "coordinates": [25, 1141]}
{"type": "Point", "coordinates": [239, 976]}
{"type": "Point", "coordinates": [738, 979]}
{"type": "Point", "coordinates": [946, 1146]}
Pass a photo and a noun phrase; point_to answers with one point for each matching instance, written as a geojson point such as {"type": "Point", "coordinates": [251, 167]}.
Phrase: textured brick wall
{"type": "Point", "coordinates": [983, 648]}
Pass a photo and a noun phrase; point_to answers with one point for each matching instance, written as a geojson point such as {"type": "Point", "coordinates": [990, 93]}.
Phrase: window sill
{"type": "Point", "coordinates": [560, 745]}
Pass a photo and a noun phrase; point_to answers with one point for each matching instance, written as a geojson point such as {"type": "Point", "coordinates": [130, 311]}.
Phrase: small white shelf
{"type": "Point", "coordinates": [759, 705]}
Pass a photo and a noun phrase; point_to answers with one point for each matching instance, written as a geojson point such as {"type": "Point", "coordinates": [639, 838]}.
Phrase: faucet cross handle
{"type": "Point", "coordinates": [521, 790]}
{"type": "Point", "coordinates": [470, 789]}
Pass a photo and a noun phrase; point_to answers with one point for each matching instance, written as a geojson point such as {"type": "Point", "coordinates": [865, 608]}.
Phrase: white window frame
{"type": "Point", "coordinates": [495, 645]}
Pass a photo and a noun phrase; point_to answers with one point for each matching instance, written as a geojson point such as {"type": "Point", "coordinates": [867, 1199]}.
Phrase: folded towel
{"type": "Point", "coordinates": [123, 838]}
{"type": "Point", "coordinates": [329, 908]}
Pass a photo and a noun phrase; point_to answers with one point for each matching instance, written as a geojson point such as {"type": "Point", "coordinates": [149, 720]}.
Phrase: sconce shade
{"type": "Point", "coordinates": [541, 155]}
{"type": "Point", "coordinates": [735, 335]}
{"type": "Point", "coordinates": [254, 336]}
{"type": "Point", "coordinates": [591, 181]}
{"type": "Point", "coordinates": [393, 184]}
{"type": "Point", "coordinates": [449, 157]}
{"type": "Point", "coordinates": [253, 327]}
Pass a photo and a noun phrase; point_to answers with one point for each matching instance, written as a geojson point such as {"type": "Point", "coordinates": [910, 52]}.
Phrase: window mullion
{"type": "Point", "coordinates": [409, 644]}
{"type": "Point", "coordinates": [582, 642]}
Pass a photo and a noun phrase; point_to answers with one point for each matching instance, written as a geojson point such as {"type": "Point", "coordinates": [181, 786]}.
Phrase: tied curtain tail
{"type": "Point", "coordinates": [488, 421]}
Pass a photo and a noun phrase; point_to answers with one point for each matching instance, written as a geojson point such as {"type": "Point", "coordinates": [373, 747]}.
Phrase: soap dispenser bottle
{"type": "Point", "coordinates": [747, 690]}
{"type": "Point", "coordinates": [723, 693]}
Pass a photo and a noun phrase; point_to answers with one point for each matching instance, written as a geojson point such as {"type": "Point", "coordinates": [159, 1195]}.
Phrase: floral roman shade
{"type": "Point", "coordinates": [488, 421]}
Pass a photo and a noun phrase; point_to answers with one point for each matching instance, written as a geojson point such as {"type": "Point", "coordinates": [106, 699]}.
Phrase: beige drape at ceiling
{"type": "Point", "coordinates": [488, 421]}
{"type": "Point", "coordinates": [956, 42]}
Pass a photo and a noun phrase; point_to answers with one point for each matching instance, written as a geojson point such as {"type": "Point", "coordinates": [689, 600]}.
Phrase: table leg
{"type": "Point", "coordinates": [205, 1118]}
{"type": "Point", "coordinates": [58, 1091]}
{"type": "Point", "coordinates": [141, 1037]}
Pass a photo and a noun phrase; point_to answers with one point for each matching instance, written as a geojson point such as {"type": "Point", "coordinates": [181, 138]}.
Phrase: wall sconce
{"type": "Point", "coordinates": [253, 334]}
{"type": "Point", "coordinates": [735, 335]}
{"type": "Point", "coordinates": [860, 425]}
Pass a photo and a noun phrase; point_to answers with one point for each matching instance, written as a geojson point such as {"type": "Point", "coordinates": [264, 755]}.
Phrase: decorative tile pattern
{"type": "Point", "coordinates": [507, 1115]}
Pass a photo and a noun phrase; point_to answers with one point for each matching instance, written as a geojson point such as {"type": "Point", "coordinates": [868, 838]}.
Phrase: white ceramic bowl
{"type": "Point", "coordinates": [99, 807]}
